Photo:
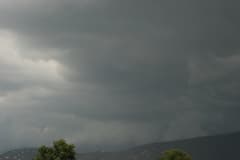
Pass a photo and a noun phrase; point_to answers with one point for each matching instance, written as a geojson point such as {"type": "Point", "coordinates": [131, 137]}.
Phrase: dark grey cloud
{"type": "Point", "coordinates": [119, 73]}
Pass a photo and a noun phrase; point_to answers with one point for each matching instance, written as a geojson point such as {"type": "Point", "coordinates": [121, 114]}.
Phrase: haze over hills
{"type": "Point", "coordinates": [220, 147]}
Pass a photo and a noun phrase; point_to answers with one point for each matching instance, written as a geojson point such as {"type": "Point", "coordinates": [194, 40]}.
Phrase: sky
{"type": "Point", "coordinates": [112, 74]}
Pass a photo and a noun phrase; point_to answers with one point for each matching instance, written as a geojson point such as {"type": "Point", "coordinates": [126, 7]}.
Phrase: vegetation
{"type": "Point", "coordinates": [175, 154]}
{"type": "Point", "coordinates": [59, 151]}
{"type": "Point", "coordinates": [63, 151]}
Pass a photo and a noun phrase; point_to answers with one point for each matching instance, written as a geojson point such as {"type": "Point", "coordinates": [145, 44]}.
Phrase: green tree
{"type": "Point", "coordinates": [60, 151]}
{"type": "Point", "coordinates": [175, 154]}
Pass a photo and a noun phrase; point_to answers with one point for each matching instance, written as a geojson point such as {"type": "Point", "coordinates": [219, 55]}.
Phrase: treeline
{"type": "Point", "coordinates": [61, 150]}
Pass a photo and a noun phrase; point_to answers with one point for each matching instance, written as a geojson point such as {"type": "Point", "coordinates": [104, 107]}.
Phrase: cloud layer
{"type": "Point", "coordinates": [113, 74]}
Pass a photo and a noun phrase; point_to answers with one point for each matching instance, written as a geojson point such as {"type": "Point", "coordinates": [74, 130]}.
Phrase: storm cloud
{"type": "Point", "coordinates": [111, 74]}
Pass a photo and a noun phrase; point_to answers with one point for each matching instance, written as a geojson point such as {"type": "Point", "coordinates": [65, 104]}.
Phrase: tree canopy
{"type": "Point", "coordinates": [175, 154]}
{"type": "Point", "coordinates": [59, 151]}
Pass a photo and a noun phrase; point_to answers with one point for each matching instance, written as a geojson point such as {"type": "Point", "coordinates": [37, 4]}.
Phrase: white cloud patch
{"type": "Point", "coordinates": [21, 77]}
{"type": "Point", "coordinates": [14, 67]}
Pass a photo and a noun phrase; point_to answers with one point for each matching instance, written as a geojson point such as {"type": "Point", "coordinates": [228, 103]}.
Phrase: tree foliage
{"type": "Point", "coordinates": [175, 154]}
{"type": "Point", "coordinates": [59, 151]}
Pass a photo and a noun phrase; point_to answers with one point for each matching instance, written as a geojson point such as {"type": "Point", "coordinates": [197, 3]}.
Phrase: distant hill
{"type": "Point", "coordinates": [220, 147]}
{"type": "Point", "coordinates": [19, 154]}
